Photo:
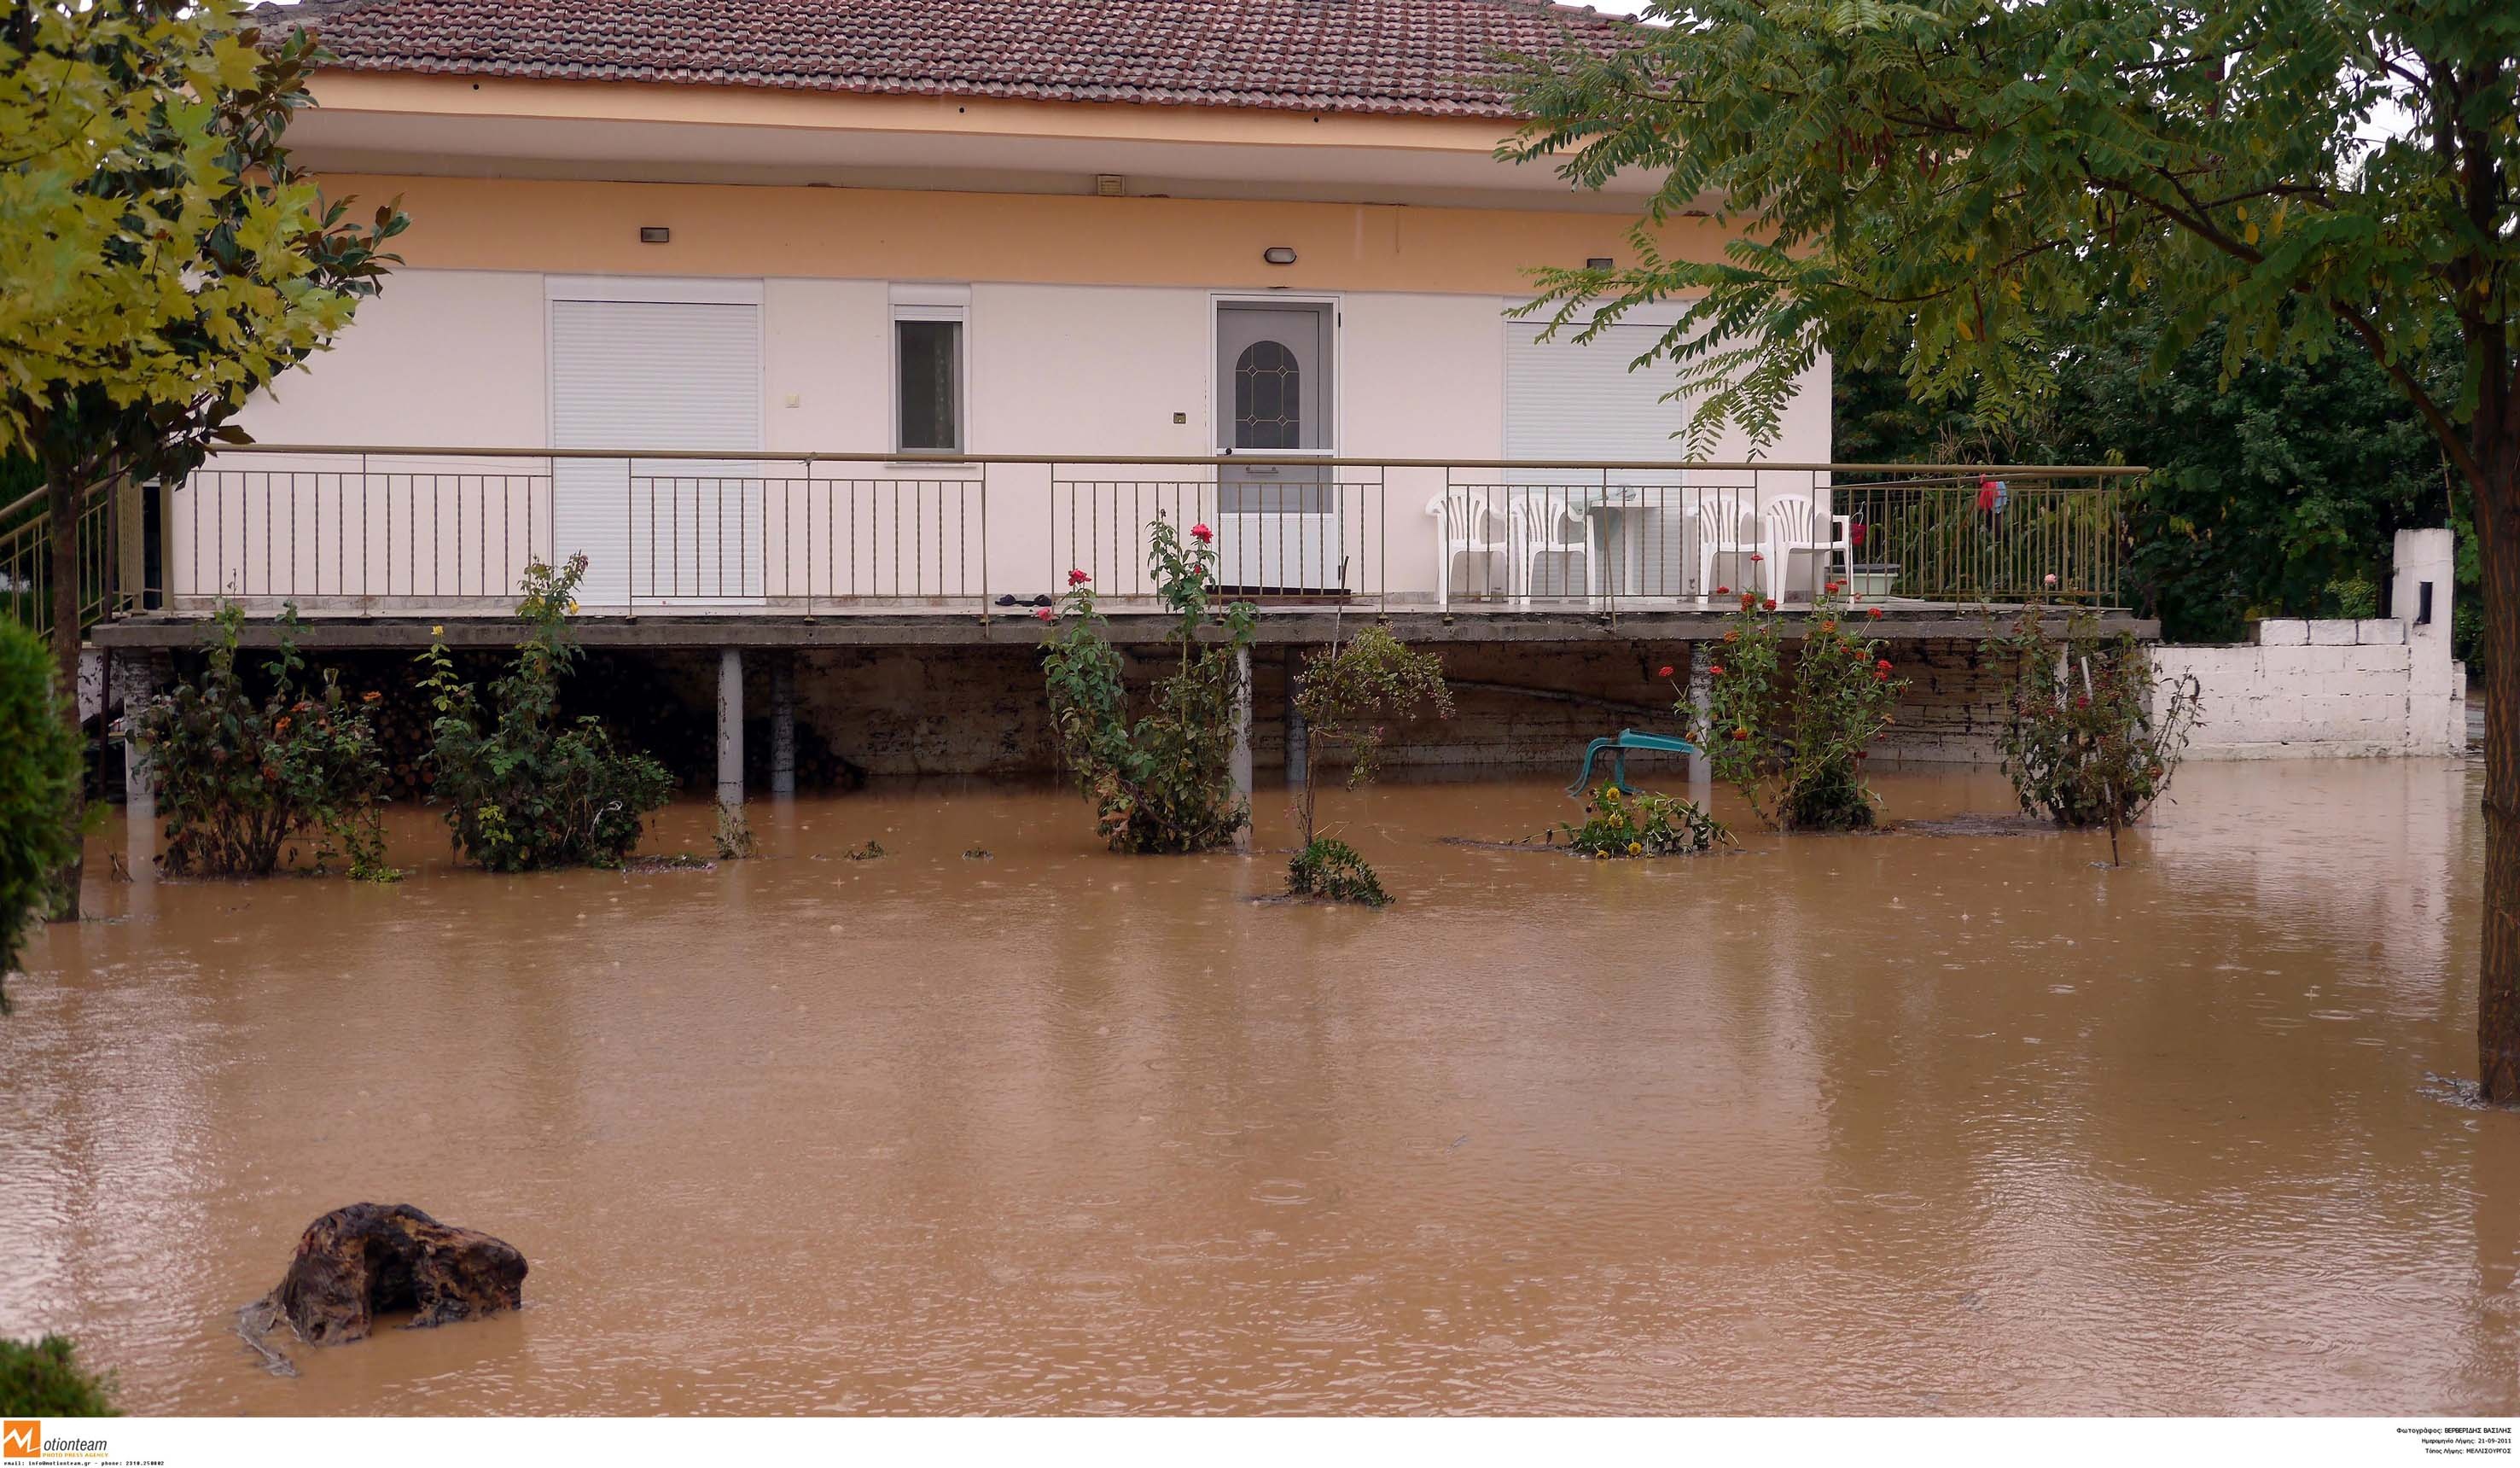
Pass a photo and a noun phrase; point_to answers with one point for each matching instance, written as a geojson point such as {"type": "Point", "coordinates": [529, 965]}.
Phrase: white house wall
{"type": "Point", "coordinates": [459, 359]}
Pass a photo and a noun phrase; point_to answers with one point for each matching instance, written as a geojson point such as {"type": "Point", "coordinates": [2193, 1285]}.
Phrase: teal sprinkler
{"type": "Point", "coordinates": [1628, 738]}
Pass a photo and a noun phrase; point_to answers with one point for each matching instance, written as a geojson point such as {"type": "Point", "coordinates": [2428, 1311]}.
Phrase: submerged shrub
{"type": "Point", "coordinates": [1346, 695]}
{"type": "Point", "coordinates": [1330, 868]}
{"type": "Point", "coordinates": [523, 788]}
{"type": "Point", "coordinates": [1163, 783]}
{"type": "Point", "coordinates": [44, 1379]}
{"type": "Point", "coordinates": [1793, 741]}
{"type": "Point", "coordinates": [2092, 735]}
{"type": "Point", "coordinates": [39, 768]}
{"type": "Point", "coordinates": [240, 778]}
{"type": "Point", "coordinates": [1641, 823]}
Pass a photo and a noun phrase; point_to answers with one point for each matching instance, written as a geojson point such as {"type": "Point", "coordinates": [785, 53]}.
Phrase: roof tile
{"type": "Point", "coordinates": [1409, 57]}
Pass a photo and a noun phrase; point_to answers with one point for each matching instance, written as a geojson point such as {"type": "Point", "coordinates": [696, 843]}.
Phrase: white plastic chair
{"type": "Point", "coordinates": [1727, 526]}
{"type": "Point", "coordinates": [1467, 523]}
{"type": "Point", "coordinates": [1792, 522]}
{"type": "Point", "coordinates": [1552, 528]}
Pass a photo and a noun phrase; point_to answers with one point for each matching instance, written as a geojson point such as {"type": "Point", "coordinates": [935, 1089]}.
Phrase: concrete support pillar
{"type": "Point", "coordinates": [782, 725]}
{"type": "Point", "coordinates": [1298, 751]}
{"type": "Point", "coordinates": [1243, 726]}
{"type": "Point", "coordinates": [2420, 596]}
{"type": "Point", "coordinates": [142, 676]}
{"type": "Point", "coordinates": [730, 729]}
{"type": "Point", "coordinates": [1701, 698]}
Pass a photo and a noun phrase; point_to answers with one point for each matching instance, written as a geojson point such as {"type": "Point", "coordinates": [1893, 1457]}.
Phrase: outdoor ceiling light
{"type": "Point", "coordinates": [1278, 254]}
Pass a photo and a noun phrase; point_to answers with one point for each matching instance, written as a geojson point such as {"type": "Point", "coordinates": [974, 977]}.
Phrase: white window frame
{"type": "Point", "coordinates": [915, 302]}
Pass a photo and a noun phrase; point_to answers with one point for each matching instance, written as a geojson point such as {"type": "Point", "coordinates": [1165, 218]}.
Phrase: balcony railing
{"type": "Point", "coordinates": [451, 532]}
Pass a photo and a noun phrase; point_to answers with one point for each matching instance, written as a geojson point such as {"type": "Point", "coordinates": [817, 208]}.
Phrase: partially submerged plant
{"type": "Point", "coordinates": [1163, 783]}
{"type": "Point", "coordinates": [39, 767]}
{"type": "Point", "coordinates": [1621, 823]}
{"type": "Point", "coordinates": [524, 788]}
{"type": "Point", "coordinates": [2093, 735]}
{"type": "Point", "coordinates": [1794, 743]}
{"type": "Point", "coordinates": [44, 1379]}
{"type": "Point", "coordinates": [1330, 868]}
{"type": "Point", "coordinates": [241, 778]}
{"type": "Point", "coordinates": [1347, 693]}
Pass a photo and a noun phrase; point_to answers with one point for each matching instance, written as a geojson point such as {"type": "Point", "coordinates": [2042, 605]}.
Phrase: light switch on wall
{"type": "Point", "coordinates": [1181, 417]}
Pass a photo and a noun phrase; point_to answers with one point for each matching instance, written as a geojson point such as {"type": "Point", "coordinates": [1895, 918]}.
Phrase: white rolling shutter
{"type": "Point", "coordinates": [658, 374]}
{"type": "Point", "coordinates": [1568, 401]}
{"type": "Point", "coordinates": [1565, 401]}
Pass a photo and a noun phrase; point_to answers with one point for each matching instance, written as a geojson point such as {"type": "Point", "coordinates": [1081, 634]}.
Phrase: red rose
{"type": "Point", "coordinates": [1044, 614]}
{"type": "Point", "coordinates": [1770, 605]}
{"type": "Point", "coordinates": [1717, 670]}
{"type": "Point", "coordinates": [1855, 533]}
{"type": "Point", "coordinates": [1723, 591]}
{"type": "Point", "coordinates": [1755, 556]}
{"type": "Point", "coordinates": [1201, 534]}
{"type": "Point", "coordinates": [1883, 666]}
{"type": "Point", "coordinates": [1078, 579]}
{"type": "Point", "coordinates": [1874, 612]}
{"type": "Point", "coordinates": [1666, 671]}
{"type": "Point", "coordinates": [1881, 677]}
{"type": "Point", "coordinates": [1740, 734]}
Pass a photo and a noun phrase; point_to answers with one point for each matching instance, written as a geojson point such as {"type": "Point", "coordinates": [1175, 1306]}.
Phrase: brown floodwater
{"type": "Point", "coordinates": [1892, 1123]}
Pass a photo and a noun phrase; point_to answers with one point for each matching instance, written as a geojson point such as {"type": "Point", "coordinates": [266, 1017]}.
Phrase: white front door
{"type": "Point", "coordinates": [658, 373]}
{"type": "Point", "coordinates": [1277, 524]}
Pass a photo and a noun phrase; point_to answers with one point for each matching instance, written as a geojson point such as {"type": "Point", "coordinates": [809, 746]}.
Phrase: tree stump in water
{"type": "Point", "coordinates": [356, 1262]}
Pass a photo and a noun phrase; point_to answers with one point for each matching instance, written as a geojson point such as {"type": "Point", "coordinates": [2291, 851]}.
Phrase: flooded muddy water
{"type": "Point", "coordinates": [1892, 1123]}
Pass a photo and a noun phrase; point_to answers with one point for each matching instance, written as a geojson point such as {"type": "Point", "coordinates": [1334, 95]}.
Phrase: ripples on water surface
{"type": "Point", "coordinates": [1878, 1124]}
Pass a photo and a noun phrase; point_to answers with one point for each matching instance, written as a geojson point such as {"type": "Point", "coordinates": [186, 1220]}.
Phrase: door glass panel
{"type": "Point", "coordinates": [1268, 398]}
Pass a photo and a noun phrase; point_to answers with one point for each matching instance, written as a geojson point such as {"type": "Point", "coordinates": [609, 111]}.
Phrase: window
{"type": "Point", "coordinates": [1268, 398]}
{"type": "Point", "coordinates": [928, 378]}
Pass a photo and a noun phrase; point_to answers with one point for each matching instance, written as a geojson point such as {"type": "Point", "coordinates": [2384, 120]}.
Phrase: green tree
{"type": "Point", "coordinates": [160, 258]}
{"type": "Point", "coordinates": [1962, 185]}
{"type": "Point", "coordinates": [39, 770]}
{"type": "Point", "coordinates": [2267, 490]}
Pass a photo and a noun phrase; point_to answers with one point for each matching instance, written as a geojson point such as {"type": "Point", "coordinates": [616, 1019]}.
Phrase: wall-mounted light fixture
{"type": "Point", "coordinates": [1110, 186]}
{"type": "Point", "coordinates": [1278, 254]}
{"type": "Point", "coordinates": [1598, 263]}
{"type": "Point", "coordinates": [654, 234]}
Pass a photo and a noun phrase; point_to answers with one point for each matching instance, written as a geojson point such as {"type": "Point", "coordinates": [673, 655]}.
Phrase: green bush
{"type": "Point", "coordinates": [526, 789]}
{"type": "Point", "coordinates": [44, 1380]}
{"type": "Point", "coordinates": [1794, 745]}
{"type": "Point", "coordinates": [1641, 823]}
{"type": "Point", "coordinates": [239, 778]}
{"type": "Point", "coordinates": [1164, 783]}
{"type": "Point", "coordinates": [2093, 734]}
{"type": "Point", "coordinates": [1330, 868]}
{"type": "Point", "coordinates": [39, 767]}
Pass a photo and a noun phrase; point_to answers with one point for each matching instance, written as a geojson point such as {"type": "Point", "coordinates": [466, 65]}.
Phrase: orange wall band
{"type": "Point", "coordinates": [889, 234]}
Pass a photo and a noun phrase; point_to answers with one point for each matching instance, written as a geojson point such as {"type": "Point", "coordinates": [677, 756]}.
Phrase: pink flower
{"type": "Point", "coordinates": [1044, 614]}
{"type": "Point", "coordinates": [2052, 580]}
{"type": "Point", "coordinates": [1078, 579]}
{"type": "Point", "coordinates": [1201, 534]}
{"type": "Point", "coordinates": [1755, 556]}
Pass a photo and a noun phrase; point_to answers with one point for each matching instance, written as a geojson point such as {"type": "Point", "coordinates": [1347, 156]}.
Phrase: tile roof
{"type": "Point", "coordinates": [1407, 57]}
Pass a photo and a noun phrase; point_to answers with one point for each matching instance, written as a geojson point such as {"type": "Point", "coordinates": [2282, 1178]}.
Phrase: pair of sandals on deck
{"type": "Point", "coordinates": [1011, 600]}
